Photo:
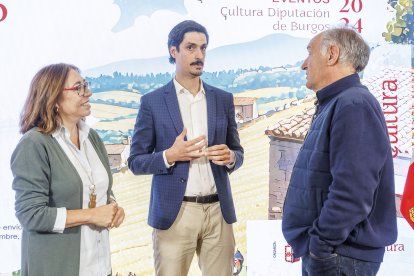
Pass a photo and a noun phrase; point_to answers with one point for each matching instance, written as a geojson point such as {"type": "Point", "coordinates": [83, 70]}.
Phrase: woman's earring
{"type": "Point", "coordinates": [57, 109]}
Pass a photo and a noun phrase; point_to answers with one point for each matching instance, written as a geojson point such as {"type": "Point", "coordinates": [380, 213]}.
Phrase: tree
{"type": "Point", "coordinates": [401, 29]}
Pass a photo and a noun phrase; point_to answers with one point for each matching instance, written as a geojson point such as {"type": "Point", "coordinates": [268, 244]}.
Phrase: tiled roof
{"type": "Point", "coordinates": [244, 100]}
{"type": "Point", "coordinates": [295, 127]}
{"type": "Point", "coordinates": [412, 105]}
{"type": "Point", "coordinates": [405, 95]}
{"type": "Point", "coordinates": [292, 128]}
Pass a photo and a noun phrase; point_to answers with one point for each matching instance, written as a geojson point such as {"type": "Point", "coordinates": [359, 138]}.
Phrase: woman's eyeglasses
{"type": "Point", "coordinates": [79, 88]}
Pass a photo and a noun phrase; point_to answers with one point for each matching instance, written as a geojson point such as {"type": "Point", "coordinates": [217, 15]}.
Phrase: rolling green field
{"type": "Point", "coordinates": [121, 96]}
{"type": "Point", "coordinates": [265, 92]}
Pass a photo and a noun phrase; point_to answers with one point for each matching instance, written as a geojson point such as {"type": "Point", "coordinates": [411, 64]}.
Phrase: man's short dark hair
{"type": "Point", "coordinates": [176, 35]}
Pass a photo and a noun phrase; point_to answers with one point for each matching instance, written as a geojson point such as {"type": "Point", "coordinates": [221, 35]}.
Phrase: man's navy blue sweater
{"type": "Point", "coordinates": [341, 195]}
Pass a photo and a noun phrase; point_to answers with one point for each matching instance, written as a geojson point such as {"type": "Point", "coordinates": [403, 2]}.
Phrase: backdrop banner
{"type": "Point", "coordinates": [255, 52]}
{"type": "Point", "coordinates": [270, 254]}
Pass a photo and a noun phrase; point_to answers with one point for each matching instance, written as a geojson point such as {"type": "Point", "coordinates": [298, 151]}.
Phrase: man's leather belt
{"type": "Point", "coordinates": [202, 199]}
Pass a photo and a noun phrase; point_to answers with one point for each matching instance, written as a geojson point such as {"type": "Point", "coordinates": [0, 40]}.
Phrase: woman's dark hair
{"type": "Point", "coordinates": [46, 87]}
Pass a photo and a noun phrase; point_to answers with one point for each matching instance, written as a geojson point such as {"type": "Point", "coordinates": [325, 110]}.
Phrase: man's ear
{"type": "Point", "coordinates": [333, 55]}
{"type": "Point", "coordinates": [173, 51]}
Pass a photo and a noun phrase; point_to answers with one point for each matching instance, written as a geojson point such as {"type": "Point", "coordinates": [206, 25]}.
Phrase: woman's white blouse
{"type": "Point", "coordinates": [95, 258]}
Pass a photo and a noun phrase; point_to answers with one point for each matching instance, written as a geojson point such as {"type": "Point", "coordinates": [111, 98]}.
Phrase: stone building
{"type": "Point", "coordinates": [286, 136]}
{"type": "Point", "coordinates": [245, 109]}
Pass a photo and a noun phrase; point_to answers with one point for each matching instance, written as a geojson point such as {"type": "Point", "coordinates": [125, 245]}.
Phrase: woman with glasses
{"type": "Point", "coordinates": [62, 180]}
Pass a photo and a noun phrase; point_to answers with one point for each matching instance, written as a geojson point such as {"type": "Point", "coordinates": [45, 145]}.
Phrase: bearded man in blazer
{"type": "Point", "coordinates": [186, 136]}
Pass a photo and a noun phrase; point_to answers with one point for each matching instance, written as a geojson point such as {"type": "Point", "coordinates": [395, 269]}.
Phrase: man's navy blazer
{"type": "Point", "coordinates": [158, 124]}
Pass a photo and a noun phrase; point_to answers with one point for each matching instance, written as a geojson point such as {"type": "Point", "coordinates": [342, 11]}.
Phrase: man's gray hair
{"type": "Point", "coordinates": [353, 50]}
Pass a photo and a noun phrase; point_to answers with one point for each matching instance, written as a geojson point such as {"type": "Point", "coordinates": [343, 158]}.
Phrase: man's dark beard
{"type": "Point", "coordinates": [197, 62]}
{"type": "Point", "coordinates": [197, 74]}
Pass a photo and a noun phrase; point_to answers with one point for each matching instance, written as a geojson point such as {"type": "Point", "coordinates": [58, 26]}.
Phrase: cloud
{"type": "Point", "coordinates": [131, 9]}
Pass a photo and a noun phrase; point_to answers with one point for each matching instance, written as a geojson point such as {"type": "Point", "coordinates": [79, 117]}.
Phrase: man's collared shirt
{"type": "Point", "coordinates": [193, 111]}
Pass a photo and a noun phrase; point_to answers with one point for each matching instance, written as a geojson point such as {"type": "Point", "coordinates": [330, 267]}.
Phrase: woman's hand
{"type": "Point", "coordinates": [119, 217]}
{"type": "Point", "coordinates": [103, 216]}
{"type": "Point", "coordinates": [107, 216]}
